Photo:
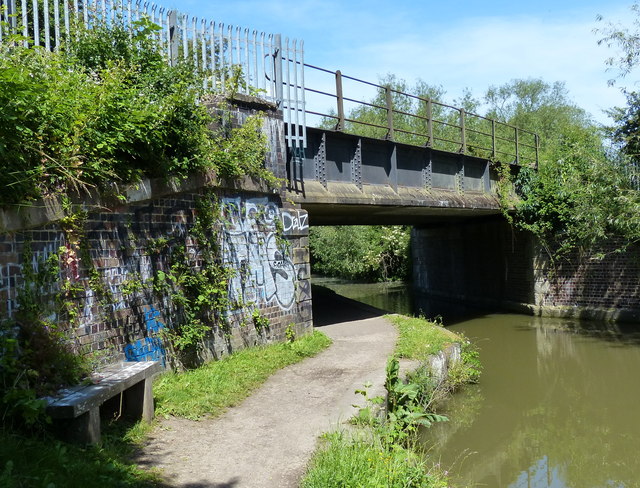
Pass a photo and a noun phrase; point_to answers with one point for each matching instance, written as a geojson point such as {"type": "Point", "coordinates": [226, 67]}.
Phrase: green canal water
{"type": "Point", "coordinates": [558, 404]}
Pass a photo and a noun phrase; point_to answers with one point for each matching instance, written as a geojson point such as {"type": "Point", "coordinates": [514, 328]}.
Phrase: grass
{"type": "Point", "coordinates": [360, 459]}
{"type": "Point", "coordinates": [419, 338]}
{"type": "Point", "coordinates": [384, 452]}
{"type": "Point", "coordinates": [39, 460]}
{"type": "Point", "coordinates": [42, 461]}
{"type": "Point", "coordinates": [218, 385]}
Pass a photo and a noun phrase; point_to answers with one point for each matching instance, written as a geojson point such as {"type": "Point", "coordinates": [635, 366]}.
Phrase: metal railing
{"type": "Point", "coordinates": [406, 118]}
{"type": "Point", "coordinates": [269, 68]}
{"type": "Point", "coordinates": [275, 70]}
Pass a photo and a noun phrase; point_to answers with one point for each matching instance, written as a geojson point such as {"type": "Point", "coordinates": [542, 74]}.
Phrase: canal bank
{"type": "Point", "coordinates": [556, 406]}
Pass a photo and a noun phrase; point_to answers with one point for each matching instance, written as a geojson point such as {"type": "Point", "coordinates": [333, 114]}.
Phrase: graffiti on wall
{"type": "Point", "coordinates": [265, 272]}
{"type": "Point", "coordinates": [252, 242]}
{"type": "Point", "coordinates": [295, 221]}
{"type": "Point", "coordinates": [151, 347]}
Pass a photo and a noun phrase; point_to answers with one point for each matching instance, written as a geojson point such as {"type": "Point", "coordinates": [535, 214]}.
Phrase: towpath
{"type": "Point", "coordinates": [267, 441]}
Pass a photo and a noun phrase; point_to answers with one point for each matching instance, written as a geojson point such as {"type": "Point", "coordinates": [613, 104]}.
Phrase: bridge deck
{"type": "Point", "coordinates": [344, 178]}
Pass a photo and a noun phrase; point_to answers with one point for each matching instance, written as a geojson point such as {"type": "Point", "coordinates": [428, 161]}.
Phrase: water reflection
{"type": "Point", "coordinates": [556, 401]}
{"type": "Point", "coordinates": [557, 405]}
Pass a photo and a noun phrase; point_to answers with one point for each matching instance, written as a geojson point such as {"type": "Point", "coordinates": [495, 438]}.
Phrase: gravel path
{"type": "Point", "coordinates": [268, 439]}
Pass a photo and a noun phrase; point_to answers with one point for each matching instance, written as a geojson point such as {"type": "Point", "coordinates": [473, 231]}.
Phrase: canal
{"type": "Point", "coordinates": [558, 404]}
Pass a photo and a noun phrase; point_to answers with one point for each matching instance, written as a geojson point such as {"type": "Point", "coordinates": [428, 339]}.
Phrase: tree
{"type": "Point", "coordinates": [626, 130]}
{"type": "Point", "coordinates": [374, 253]}
{"type": "Point", "coordinates": [581, 194]}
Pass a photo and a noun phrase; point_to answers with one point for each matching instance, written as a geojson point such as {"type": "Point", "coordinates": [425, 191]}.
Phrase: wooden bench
{"type": "Point", "coordinates": [77, 410]}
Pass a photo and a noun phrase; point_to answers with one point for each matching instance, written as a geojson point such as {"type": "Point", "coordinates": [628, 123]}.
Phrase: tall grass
{"type": "Point", "coordinates": [360, 459]}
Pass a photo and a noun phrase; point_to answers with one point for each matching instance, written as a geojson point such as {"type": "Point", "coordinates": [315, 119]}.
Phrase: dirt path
{"type": "Point", "coordinates": [268, 439]}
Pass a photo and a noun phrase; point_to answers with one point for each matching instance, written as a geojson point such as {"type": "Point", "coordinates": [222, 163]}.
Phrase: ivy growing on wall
{"type": "Point", "coordinates": [109, 109]}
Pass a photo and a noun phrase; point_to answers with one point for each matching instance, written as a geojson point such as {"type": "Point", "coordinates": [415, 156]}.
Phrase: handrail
{"type": "Point", "coordinates": [431, 124]}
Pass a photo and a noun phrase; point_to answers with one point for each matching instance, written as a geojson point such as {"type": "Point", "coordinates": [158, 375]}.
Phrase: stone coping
{"type": "Point", "coordinates": [53, 209]}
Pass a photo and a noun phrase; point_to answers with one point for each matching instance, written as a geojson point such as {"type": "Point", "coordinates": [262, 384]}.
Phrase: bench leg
{"type": "Point", "coordinates": [138, 400]}
{"type": "Point", "coordinates": [84, 429]}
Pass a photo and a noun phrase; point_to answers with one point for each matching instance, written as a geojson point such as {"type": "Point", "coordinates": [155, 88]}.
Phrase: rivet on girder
{"type": "Point", "coordinates": [320, 162]}
{"type": "Point", "coordinates": [356, 166]}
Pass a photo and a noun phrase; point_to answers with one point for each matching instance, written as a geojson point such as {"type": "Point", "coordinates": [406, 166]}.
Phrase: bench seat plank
{"type": "Point", "coordinates": [73, 402]}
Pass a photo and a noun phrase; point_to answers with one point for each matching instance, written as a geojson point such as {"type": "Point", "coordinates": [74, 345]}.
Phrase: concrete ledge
{"type": "Point", "coordinates": [52, 209]}
{"type": "Point", "coordinates": [583, 313]}
{"type": "Point", "coordinates": [345, 203]}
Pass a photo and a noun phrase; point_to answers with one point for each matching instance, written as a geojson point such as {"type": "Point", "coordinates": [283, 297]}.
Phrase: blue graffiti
{"type": "Point", "coordinates": [150, 321]}
{"type": "Point", "coordinates": [149, 348]}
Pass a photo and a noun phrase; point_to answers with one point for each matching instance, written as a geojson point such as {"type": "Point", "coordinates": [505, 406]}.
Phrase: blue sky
{"type": "Point", "coordinates": [453, 44]}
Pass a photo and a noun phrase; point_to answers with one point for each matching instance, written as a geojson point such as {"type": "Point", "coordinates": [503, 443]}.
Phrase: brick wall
{"type": "Point", "coordinates": [601, 279]}
{"type": "Point", "coordinates": [482, 260]}
{"type": "Point", "coordinates": [488, 262]}
{"type": "Point", "coordinates": [107, 264]}
{"type": "Point", "coordinates": [112, 258]}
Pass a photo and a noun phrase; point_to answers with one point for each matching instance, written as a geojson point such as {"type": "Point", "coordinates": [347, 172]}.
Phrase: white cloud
{"type": "Point", "coordinates": [481, 52]}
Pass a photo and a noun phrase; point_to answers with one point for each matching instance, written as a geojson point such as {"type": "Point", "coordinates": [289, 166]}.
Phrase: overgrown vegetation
{"type": "Point", "coordinates": [206, 391]}
{"type": "Point", "coordinates": [384, 450]}
{"type": "Point", "coordinates": [42, 461]}
{"type": "Point", "coordinates": [372, 253]}
{"type": "Point", "coordinates": [213, 387]}
{"type": "Point", "coordinates": [109, 108]}
{"type": "Point", "coordinates": [36, 355]}
{"type": "Point", "coordinates": [583, 192]}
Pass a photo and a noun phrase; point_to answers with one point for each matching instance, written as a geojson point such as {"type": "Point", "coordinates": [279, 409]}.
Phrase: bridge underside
{"type": "Point", "coordinates": [347, 179]}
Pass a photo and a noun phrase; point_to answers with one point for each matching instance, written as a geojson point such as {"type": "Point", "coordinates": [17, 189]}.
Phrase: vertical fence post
{"type": "Point", "coordinates": [463, 133]}
{"type": "Point", "coordinates": [12, 13]}
{"type": "Point", "coordinates": [340, 102]}
{"type": "Point", "coordinates": [174, 38]}
{"type": "Point", "coordinates": [47, 30]}
{"type": "Point", "coordinates": [389, 100]}
{"type": "Point", "coordinates": [277, 70]}
{"type": "Point", "coordinates": [25, 24]}
{"type": "Point", "coordinates": [36, 23]}
{"type": "Point", "coordinates": [517, 145]}
{"type": "Point", "coordinates": [429, 123]}
{"type": "Point", "coordinates": [537, 144]}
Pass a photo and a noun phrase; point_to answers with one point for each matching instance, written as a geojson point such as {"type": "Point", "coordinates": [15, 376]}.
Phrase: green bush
{"type": "Point", "coordinates": [108, 107]}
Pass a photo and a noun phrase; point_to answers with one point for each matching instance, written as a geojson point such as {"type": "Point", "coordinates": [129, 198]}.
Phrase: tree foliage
{"type": "Point", "coordinates": [374, 253]}
{"type": "Point", "coordinates": [581, 194]}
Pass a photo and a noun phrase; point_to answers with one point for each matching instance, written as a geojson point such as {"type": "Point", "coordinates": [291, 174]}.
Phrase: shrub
{"type": "Point", "coordinates": [108, 107]}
